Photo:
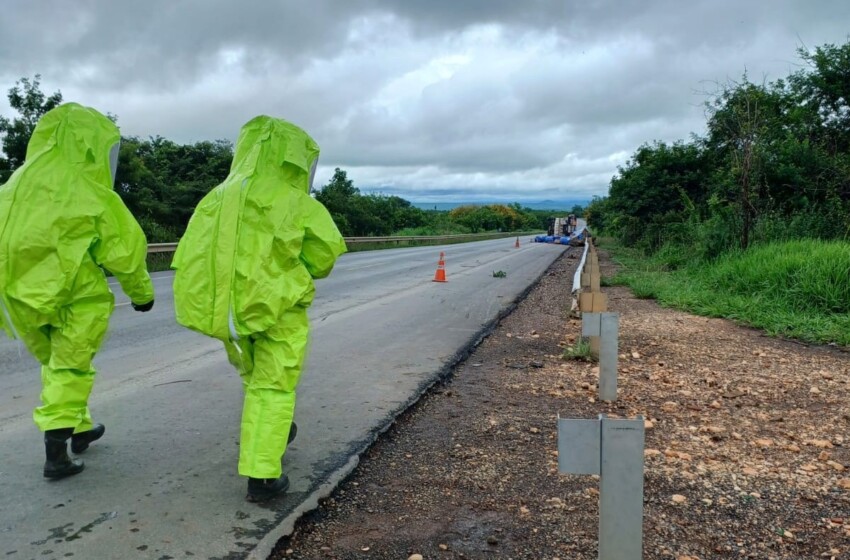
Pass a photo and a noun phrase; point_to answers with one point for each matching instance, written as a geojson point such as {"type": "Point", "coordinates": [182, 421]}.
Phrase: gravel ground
{"type": "Point", "coordinates": [746, 446]}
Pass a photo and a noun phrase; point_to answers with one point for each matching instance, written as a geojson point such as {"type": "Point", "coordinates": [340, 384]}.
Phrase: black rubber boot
{"type": "Point", "coordinates": [264, 489]}
{"type": "Point", "coordinates": [293, 430]}
{"type": "Point", "coordinates": [80, 442]}
{"type": "Point", "coordinates": [58, 464]}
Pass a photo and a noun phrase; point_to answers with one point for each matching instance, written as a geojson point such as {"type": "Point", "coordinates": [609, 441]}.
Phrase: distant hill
{"type": "Point", "coordinates": [537, 205]}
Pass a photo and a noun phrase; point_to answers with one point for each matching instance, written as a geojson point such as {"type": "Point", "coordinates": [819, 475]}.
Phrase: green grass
{"type": "Point", "coordinates": [579, 351]}
{"type": "Point", "coordinates": [796, 289]}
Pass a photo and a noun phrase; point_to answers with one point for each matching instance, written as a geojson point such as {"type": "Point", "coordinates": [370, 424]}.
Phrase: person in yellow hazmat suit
{"type": "Point", "coordinates": [61, 226]}
{"type": "Point", "coordinates": [244, 274]}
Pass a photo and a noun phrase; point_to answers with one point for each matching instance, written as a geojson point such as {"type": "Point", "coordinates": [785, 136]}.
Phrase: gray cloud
{"type": "Point", "coordinates": [483, 99]}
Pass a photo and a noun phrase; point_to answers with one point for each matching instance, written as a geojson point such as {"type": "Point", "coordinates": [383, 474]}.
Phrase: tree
{"type": "Point", "coordinates": [774, 164]}
{"type": "Point", "coordinates": [598, 213]}
{"type": "Point", "coordinates": [781, 149]}
{"type": "Point", "coordinates": [654, 188]}
{"type": "Point", "coordinates": [338, 197]}
{"type": "Point", "coordinates": [821, 108]}
{"type": "Point", "coordinates": [31, 103]}
{"type": "Point", "coordinates": [493, 217]}
{"type": "Point", "coordinates": [162, 181]}
{"type": "Point", "coordinates": [340, 186]}
{"type": "Point", "coordinates": [737, 124]}
{"type": "Point", "coordinates": [824, 88]}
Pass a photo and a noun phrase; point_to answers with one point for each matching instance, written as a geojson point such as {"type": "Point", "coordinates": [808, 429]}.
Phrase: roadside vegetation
{"type": "Point", "coordinates": [579, 351]}
{"type": "Point", "coordinates": [797, 289]}
{"type": "Point", "coordinates": [751, 220]}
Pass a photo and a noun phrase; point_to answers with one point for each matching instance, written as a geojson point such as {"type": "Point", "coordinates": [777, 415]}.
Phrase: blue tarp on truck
{"type": "Point", "coordinates": [560, 239]}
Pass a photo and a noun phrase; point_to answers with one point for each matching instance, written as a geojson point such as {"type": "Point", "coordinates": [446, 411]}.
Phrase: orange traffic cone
{"type": "Point", "coordinates": [517, 243]}
{"type": "Point", "coordinates": [440, 275]}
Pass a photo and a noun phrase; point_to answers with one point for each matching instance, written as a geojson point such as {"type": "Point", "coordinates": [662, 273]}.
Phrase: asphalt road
{"type": "Point", "coordinates": [163, 484]}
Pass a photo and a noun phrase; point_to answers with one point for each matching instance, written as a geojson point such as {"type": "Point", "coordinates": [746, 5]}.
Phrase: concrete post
{"type": "Point", "coordinates": [606, 327]}
{"type": "Point", "coordinates": [613, 449]}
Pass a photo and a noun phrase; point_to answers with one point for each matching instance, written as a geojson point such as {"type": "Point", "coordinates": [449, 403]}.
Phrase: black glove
{"type": "Point", "coordinates": [143, 306]}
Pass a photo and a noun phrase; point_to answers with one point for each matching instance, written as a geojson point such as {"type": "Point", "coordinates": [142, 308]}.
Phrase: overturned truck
{"type": "Point", "coordinates": [562, 226]}
{"type": "Point", "coordinates": [575, 239]}
{"type": "Point", "coordinates": [563, 231]}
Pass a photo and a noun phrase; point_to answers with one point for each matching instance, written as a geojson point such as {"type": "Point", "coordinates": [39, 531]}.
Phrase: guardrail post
{"type": "Point", "coordinates": [594, 302]}
{"type": "Point", "coordinates": [605, 326]}
{"type": "Point", "coordinates": [613, 449]}
{"type": "Point", "coordinates": [595, 276]}
{"type": "Point", "coordinates": [578, 284]}
{"type": "Point", "coordinates": [592, 299]}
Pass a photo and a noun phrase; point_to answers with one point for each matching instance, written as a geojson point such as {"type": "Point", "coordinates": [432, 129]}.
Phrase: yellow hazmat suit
{"type": "Point", "coordinates": [245, 270]}
{"type": "Point", "coordinates": [60, 222]}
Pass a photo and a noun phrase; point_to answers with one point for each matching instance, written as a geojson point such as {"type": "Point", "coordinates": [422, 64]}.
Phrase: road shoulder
{"type": "Point", "coordinates": [745, 456]}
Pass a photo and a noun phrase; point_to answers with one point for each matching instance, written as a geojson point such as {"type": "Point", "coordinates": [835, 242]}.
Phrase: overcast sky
{"type": "Point", "coordinates": [433, 100]}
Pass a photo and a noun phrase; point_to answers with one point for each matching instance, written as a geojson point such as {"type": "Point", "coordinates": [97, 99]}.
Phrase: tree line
{"type": "Point", "coordinates": [162, 181]}
{"type": "Point", "coordinates": [773, 164]}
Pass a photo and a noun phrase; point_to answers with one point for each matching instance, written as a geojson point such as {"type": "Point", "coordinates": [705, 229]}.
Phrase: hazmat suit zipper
{"type": "Point", "coordinates": [7, 319]}
{"type": "Point", "coordinates": [231, 326]}
{"type": "Point", "coordinates": [231, 323]}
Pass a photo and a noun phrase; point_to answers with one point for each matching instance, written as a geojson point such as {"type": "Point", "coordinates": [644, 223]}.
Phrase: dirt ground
{"type": "Point", "coordinates": [746, 446]}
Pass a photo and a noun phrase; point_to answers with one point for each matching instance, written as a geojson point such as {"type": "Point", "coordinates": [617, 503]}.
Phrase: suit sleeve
{"type": "Point", "coordinates": [122, 250]}
{"type": "Point", "coordinates": [322, 242]}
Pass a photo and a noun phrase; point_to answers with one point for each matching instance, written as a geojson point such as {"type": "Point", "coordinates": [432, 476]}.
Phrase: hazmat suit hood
{"type": "Point", "coordinates": [275, 147]}
{"type": "Point", "coordinates": [81, 137]}
{"type": "Point", "coordinates": [256, 242]}
{"type": "Point", "coordinates": [61, 224]}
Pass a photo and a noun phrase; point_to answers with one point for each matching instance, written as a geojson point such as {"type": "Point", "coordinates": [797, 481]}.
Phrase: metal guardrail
{"type": "Point", "coordinates": [171, 247]}
{"type": "Point", "coordinates": [162, 247]}
{"type": "Point", "coordinates": [580, 269]}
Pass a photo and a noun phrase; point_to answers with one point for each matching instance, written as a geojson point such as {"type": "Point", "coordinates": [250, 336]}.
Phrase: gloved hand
{"type": "Point", "coordinates": [142, 306]}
